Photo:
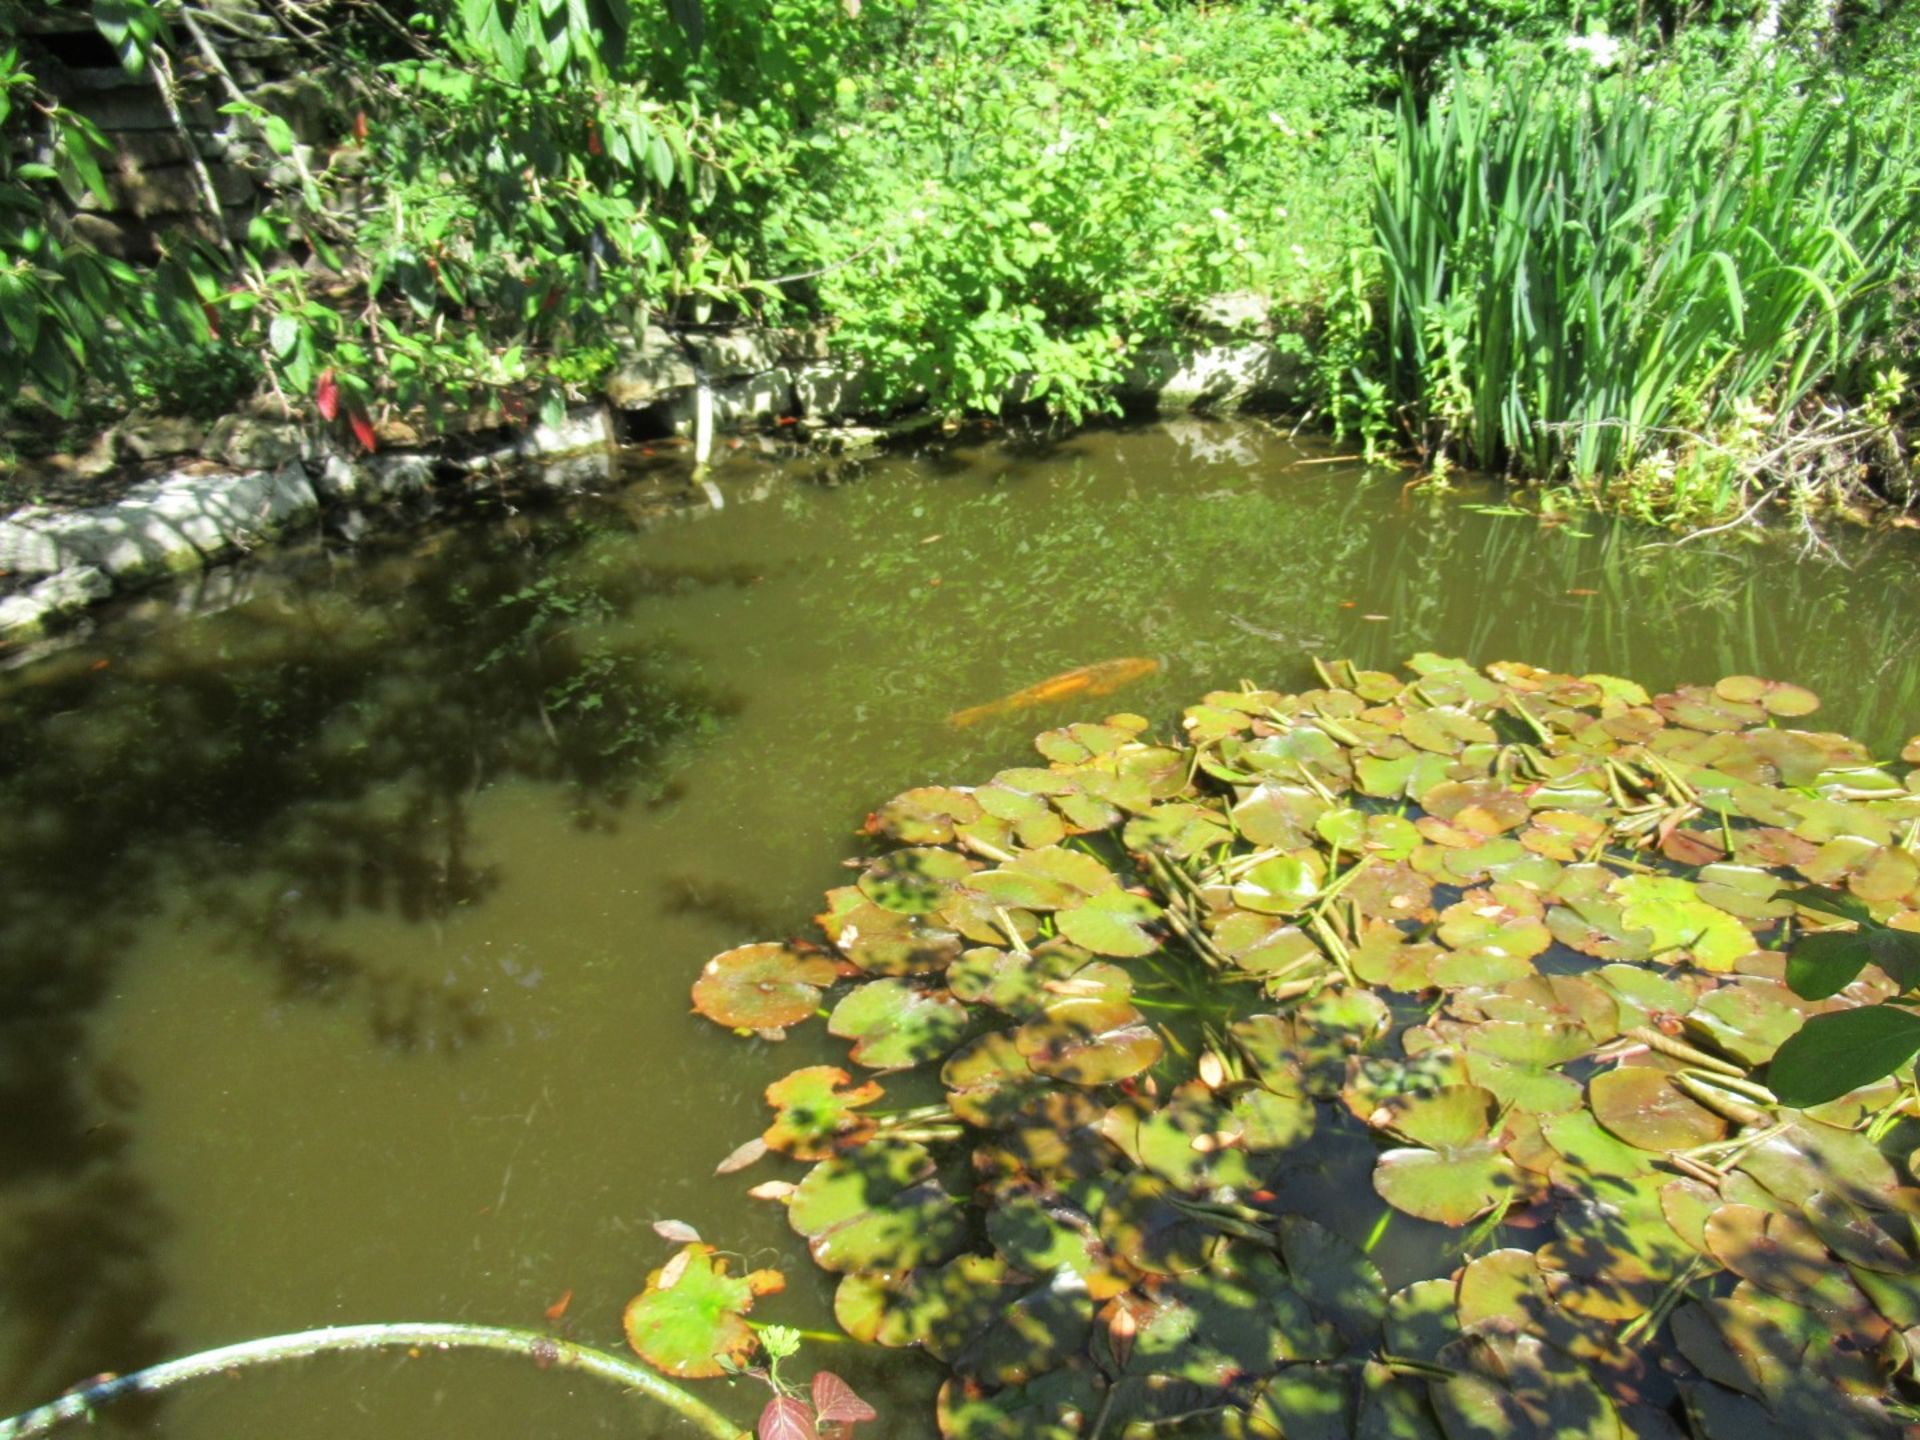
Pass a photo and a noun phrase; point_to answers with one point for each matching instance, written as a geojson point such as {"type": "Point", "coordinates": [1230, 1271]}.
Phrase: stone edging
{"type": "Point", "coordinates": [257, 480]}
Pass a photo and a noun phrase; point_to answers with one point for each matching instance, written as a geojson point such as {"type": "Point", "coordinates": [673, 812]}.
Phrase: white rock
{"type": "Point", "coordinates": [737, 402]}
{"type": "Point", "coordinates": [177, 523]}
{"type": "Point", "coordinates": [24, 615]}
{"type": "Point", "coordinates": [1216, 377]}
{"type": "Point", "coordinates": [733, 353]}
{"type": "Point", "coordinates": [825, 391]}
{"type": "Point", "coordinates": [654, 368]}
{"type": "Point", "coordinates": [583, 428]}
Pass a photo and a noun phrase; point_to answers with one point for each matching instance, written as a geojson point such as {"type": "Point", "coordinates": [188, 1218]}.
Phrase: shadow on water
{"type": "Point", "coordinates": [314, 755]}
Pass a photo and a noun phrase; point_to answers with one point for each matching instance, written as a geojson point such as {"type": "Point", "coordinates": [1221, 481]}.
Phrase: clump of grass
{"type": "Point", "coordinates": [1584, 274]}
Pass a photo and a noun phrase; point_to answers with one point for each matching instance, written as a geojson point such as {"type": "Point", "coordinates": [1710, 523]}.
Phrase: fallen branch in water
{"type": "Point", "coordinates": [545, 1352]}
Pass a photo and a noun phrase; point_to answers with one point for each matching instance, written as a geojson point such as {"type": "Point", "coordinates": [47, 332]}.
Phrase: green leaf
{"type": "Point", "coordinates": [1826, 962]}
{"type": "Point", "coordinates": [131, 27]}
{"type": "Point", "coordinates": [1833, 1054]}
{"type": "Point", "coordinates": [689, 1321]}
{"type": "Point", "coordinates": [1113, 922]}
{"type": "Point", "coordinates": [279, 134]}
{"type": "Point", "coordinates": [1898, 953]}
{"type": "Point", "coordinates": [1827, 902]}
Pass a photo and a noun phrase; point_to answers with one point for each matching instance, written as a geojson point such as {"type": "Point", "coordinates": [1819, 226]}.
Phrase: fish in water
{"type": "Point", "coordinates": [1101, 679]}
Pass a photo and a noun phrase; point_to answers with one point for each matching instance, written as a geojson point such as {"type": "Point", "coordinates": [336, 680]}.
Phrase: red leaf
{"type": "Point", "coordinates": [326, 395]}
{"type": "Point", "coordinates": [360, 125]}
{"type": "Point", "coordinates": [834, 1399]}
{"type": "Point", "coordinates": [593, 139]}
{"type": "Point", "coordinates": [559, 1307]}
{"type": "Point", "coordinates": [785, 1418]}
{"type": "Point", "coordinates": [363, 431]}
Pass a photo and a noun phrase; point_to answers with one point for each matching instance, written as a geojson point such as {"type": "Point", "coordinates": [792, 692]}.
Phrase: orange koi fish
{"type": "Point", "coordinates": [1101, 679]}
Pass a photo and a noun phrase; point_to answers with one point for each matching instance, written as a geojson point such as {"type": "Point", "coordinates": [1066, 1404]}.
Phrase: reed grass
{"type": "Point", "coordinates": [1578, 272]}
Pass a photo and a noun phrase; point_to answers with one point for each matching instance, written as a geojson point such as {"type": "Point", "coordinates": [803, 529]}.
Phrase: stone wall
{"type": "Point", "coordinates": [152, 185]}
{"type": "Point", "coordinates": [251, 480]}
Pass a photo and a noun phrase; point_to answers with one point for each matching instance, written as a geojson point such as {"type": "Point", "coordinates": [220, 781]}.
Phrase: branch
{"type": "Point", "coordinates": [163, 82]}
{"type": "Point", "coordinates": [308, 190]}
{"type": "Point", "coordinates": [543, 1350]}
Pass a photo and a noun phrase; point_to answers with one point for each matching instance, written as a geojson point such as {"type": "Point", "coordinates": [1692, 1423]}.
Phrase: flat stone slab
{"type": "Point", "coordinates": [178, 522]}
{"type": "Point", "coordinates": [24, 614]}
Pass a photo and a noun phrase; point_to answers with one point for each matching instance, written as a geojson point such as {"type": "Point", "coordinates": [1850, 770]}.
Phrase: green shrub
{"type": "Point", "coordinates": [1033, 192]}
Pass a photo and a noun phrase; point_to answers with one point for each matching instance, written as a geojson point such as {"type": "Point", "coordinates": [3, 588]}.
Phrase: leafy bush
{"type": "Point", "coordinates": [1581, 272]}
{"type": "Point", "coordinates": [65, 308]}
{"type": "Point", "coordinates": [517, 196]}
{"type": "Point", "coordinates": [1036, 191]}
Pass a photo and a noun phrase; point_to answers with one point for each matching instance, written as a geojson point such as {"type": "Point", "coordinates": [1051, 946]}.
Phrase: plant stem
{"type": "Point", "coordinates": [544, 1350]}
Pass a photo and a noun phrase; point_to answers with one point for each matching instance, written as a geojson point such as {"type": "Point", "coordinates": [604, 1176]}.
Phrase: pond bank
{"type": "Point", "coordinates": [246, 481]}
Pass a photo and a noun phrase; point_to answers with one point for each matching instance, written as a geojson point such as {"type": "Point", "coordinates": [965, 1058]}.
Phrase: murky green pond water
{"type": "Point", "coordinates": [345, 935]}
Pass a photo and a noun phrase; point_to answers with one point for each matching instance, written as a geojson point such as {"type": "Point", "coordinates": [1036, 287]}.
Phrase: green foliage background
{"type": "Point", "coordinates": [992, 201]}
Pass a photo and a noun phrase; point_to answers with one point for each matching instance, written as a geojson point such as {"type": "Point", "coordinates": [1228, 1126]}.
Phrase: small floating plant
{"type": "Point", "coordinates": [1584, 1005]}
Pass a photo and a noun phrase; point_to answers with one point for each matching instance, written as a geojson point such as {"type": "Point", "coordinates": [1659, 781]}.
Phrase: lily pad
{"type": "Point", "coordinates": [762, 987]}
{"type": "Point", "coordinates": [1683, 925]}
{"type": "Point", "coordinates": [1040, 1235]}
{"type": "Point", "coordinates": [816, 1115]}
{"type": "Point", "coordinates": [1644, 1109]}
{"type": "Point", "coordinates": [895, 1024]}
{"type": "Point", "coordinates": [1284, 885]}
{"type": "Point", "coordinates": [1114, 922]}
{"type": "Point", "coordinates": [1186, 1138]}
{"type": "Point", "coordinates": [1024, 984]}
{"type": "Point", "coordinates": [1088, 1042]}
{"type": "Point", "coordinates": [926, 816]}
{"type": "Point", "coordinates": [1516, 1385]}
{"type": "Point", "coordinates": [1048, 879]}
{"type": "Point", "coordinates": [989, 1082]}
{"type": "Point", "coordinates": [1145, 1224]}
{"type": "Point", "coordinates": [1036, 1333]}
{"type": "Point", "coordinates": [1783, 1256]}
{"type": "Point", "coordinates": [1458, 1172]}
{"type": "Point", "coordinates": [1178, 829]}
{"type": "Point", "coordinates": [914, 881]}
{"type": "Point", "coordinates": [886, 942]}
{"type": "Point", "coordinates": [690, 1320]}
{"type": "Point", "coordinates": [875, 1208]}
{"type": "Point", "coordinates": [1334, 1276]}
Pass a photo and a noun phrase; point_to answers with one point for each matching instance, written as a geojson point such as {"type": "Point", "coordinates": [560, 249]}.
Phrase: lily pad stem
{"type": "Point", "coordinates": [820, 1337]}
{"type": "Point", "coordinates": [986, 850]}
{"type": "Point", "coordinates": [1718, 1101]}
{"type": "Point", "coordinates": [1334, 946]}
{"type": "Point", "coordinates": [1650, 1321]}
{"type": "Point", "coordinates": [1332, 892]}
{"type": "Point", "coordinates": [1737, 1084]}
{"type": "Point", "coordinates": [544, 1350]}
{"type": "Point", "coordinates": [1544, 735]}
{"type": "Point", "coordinates": [1679, 1050]}
{"type": "Point", "coordinates": [1694, 1169]}
{"type": "Point", "coordinates": [1403, 1365]}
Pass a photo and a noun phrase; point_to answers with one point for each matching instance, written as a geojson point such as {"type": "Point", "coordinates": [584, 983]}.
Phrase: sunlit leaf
{"type": "Point", "coordinates": [689, 1321]}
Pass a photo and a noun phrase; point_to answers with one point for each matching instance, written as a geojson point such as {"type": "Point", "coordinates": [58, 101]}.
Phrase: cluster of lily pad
{"type": "Point", "coordinates": [1491, 957]}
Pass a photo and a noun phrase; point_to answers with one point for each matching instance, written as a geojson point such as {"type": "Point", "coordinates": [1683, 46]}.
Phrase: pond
{"type": "Point", "coordinates": [347, 932]}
